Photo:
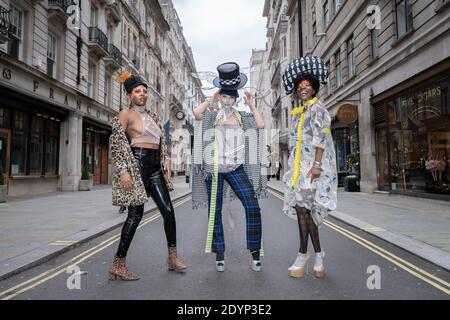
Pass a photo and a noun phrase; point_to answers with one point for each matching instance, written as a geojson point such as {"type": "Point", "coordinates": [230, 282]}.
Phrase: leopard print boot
{"type": "Point", "coordinates": [119, 270]}
{"type": "Point", "coordinates": [173, 262]}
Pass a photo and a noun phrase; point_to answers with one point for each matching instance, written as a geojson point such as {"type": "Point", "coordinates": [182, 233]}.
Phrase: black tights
{"type": "Point", "coordinates": [307, 227]}
{"type": "Point", "coordinates": [152, 176]}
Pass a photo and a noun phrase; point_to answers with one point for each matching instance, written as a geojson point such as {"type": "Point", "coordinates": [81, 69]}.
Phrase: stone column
{"type": "Point", "coordinates": [367, 146]}
{"type": "Point", "coordinates": [71, 146]}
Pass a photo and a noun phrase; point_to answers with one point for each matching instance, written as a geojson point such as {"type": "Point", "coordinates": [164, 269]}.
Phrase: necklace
{"type": "Point", "coordinates": [140, 109]}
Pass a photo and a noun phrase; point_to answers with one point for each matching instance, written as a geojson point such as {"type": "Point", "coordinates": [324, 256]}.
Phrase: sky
{"type": "Point", "coordinates": [221, 31]}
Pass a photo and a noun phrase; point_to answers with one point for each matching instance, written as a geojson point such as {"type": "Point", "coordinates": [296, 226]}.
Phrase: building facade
{"type": "Point", "coordinates": [281, 49]}
{"type": "Point", "coordinates": [388, 89]}
{"type": "Point", "coordinates": [58, 88]}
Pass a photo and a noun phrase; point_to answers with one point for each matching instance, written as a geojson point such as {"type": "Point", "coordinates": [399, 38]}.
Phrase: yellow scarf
{"type": "Point", "coordinates": [299, 110]}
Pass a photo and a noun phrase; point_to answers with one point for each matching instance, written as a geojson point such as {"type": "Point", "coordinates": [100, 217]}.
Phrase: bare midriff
{"type": "Point", "coordinates": [146, 146]}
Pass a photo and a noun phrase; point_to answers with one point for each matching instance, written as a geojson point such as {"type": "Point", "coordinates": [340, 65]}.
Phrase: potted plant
{"type": "Point", "coordinates": [351, 182]}
{"type": "Point", "coordinates": [3, 186]}
{"type": "Point", "coordinates": [86, 180]}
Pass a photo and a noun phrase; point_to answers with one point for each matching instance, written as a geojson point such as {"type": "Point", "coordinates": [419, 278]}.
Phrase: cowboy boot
{"type": "Point", "coordinates": [119, 270]}
{"type": "Point", "coordinates": [173, 262]}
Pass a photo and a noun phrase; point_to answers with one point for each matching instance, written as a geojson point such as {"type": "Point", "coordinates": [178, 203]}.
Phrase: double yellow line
{"type": "Point", "coordinates": [419, 273]}
{"type": "Point", "coordinates": [54, 272]}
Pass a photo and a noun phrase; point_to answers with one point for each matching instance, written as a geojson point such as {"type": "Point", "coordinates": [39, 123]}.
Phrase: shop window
{"type": "Point", "coordinates": [36, 145]}
{"type": "Point", "coordinates": [18, 153]}
{"type": "Point", "coordinates": [51, 148]}
{"type": "Point", "coordinates": [415, 150]}
{"type": "Point", "coordinates": [4, 118]}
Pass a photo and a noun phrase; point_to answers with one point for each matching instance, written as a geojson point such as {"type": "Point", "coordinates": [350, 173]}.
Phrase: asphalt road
{"type": "Point", "coordinates": [353, 260]}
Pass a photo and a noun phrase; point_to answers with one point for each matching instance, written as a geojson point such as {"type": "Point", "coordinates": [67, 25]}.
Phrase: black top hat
{"type": "Point", "coordinates": [133, 82]}
{"type": "Point", "coordinates": [229, 77]}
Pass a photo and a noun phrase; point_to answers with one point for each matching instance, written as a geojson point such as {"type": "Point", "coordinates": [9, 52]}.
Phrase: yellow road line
{"type": "Point", "coordinates": [391, 254]}
{"type": "Point", "coordinates": [407, 266]}
{"type": "Point", "coordinates": [432, 283]}
{"type": "Point", "coordinates": [373, 229]}
{"type": "Point", "coordinates": [76, 260]}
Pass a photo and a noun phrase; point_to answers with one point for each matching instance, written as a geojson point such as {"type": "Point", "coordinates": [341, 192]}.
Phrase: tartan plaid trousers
{"type": "Point", "coordinates": [241, 185]}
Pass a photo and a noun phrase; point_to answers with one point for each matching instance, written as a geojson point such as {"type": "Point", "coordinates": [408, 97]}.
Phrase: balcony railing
{"type": "Point", "coordinates": [4, 23]}
{"type": "Point", "coordinates": [62, 4]}
{"type": "Point", "coordinates": [136, 61]}
{"type": "Point", "coordinates": [96, 35]}
{"type": "Point", "coordinates": [276, 73]}
{"type": "Point", "coordinates": [277, 107]}
{"type": "Point", "coordinates": [115, 54]}
{"type": "Point", "coordinates": [174, 102]}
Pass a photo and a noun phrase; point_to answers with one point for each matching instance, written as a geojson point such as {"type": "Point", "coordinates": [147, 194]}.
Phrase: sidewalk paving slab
{"type": "Point", "coordinates": [30, 236]}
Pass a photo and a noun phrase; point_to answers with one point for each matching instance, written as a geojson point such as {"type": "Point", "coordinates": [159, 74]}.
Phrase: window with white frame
{"type": "Point", "coordinates": [94, 16]}
{"type": "Point", "coordinates": [108, 90]}
{"type": "Point", "coordinates": [337, 5]}
{"type": "Point", "coordinates": [283, 47]}
{"type": "Point", "coordinates": [125, 40]}
{"type": "Point", "coordinates": [338, 64]}
{"type": "Point", "coordinates": [326, 14]}
{"type": "Point", "coordinates": [404, 16]}
{"type": "Point", "coordinates": [351, 57]}
{"type": "Point", "coordinates": [15, 44]}
{"type": "Point", "coordinates": [374, 43]}
{"type": "Point", "coordinates": [91, 79]}
{"type": "Point", "coordinates": [51, 55]}
{"type": "Point", "coordinates": [328, 82]}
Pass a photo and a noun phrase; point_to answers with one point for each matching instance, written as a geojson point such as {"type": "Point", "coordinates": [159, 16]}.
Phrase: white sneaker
{"type": "Point", "coordinates": [220, 266]}
{"type": "Point", "coordinates": [256, 265]}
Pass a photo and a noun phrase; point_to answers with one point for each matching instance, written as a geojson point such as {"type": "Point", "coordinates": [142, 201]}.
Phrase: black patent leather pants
{"type": "Point", "coordinates": [152, 176]}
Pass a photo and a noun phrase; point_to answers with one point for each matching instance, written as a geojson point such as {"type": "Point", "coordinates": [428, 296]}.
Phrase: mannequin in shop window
{"type": "Point", "coordinates": [441, 164]}
{"type": "Point", "coordinates": [431, 164]}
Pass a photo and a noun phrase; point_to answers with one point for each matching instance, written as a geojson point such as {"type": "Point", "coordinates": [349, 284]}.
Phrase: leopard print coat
{"type": "Point", "coordinates": [122, 157]}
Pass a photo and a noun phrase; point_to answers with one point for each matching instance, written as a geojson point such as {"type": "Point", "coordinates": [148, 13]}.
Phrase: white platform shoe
{"type": "Point", "coordinates": [297, 270]}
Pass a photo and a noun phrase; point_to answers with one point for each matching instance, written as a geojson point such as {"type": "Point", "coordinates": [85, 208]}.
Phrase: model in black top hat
{"type": "Point", "coordinates": [231, 161]}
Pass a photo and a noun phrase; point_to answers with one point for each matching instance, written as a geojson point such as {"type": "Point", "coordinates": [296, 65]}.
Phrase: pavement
{"type": "Point", "coordinates": [35, 229]}
{"type": "Point", "coordinates": [417, 225]}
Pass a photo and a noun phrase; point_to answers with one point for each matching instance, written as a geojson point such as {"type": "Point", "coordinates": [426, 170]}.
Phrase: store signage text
{"type": "Point", "coordinates": [421, 97]}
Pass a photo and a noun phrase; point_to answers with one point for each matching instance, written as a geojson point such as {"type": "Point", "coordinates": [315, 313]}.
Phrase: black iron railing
{"type": "Point", "coordinates": [4, 21]}
{"type": "Point", "coordinates": [136, 61]}
{"type": "Point", "coordinates": [277, 107]}
{"type": "Point", "coordinates": [97, 35]}
{"type": "Point", "coordinates": [276, 72]}
{"type": "Point", "coordinates": [63, 4]}
{"type": "Point", "coordinates": [115, 53]}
